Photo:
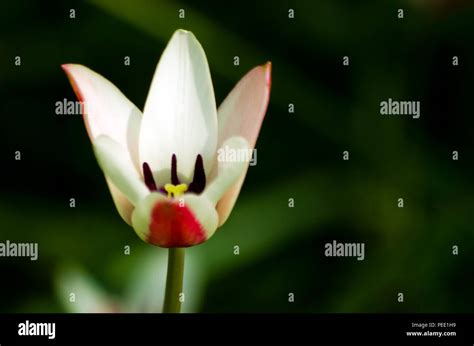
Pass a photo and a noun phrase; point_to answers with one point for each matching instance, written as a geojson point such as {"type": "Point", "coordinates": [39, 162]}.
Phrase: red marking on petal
{"type": "Point", "coordinates": [172, 225]}
{"type": "Point", "coordinates": [268, 73]}
{"type": "Point", "coordinates": [73, 83]}
{"type": "Point", "coordinates": [79, 95]}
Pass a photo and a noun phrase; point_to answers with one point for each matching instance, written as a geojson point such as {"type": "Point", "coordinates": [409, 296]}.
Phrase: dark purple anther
{"type": "Point", "coordinates": [149, 181]}
{"type": "Point", "coordinates": [174, 171]}
{"type": "Point", "coordinates": [199, 179]}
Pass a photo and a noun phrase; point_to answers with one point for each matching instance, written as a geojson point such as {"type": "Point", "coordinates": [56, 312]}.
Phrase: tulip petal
{"type": "Point", "coordinates": [232, 161]}
{"type": "Point", "coordinates": [123, 205]}
{"type": "Point", "coordinates": [205, 212]}
{"type": "Point", "coordinates": [180, 115]}
{"type": "Point", "coordinates": [107, 112]}
{"type": "Point", "coordinates": [118, 167]}
{"type": "Point", "coordinates": [241, 114]}
{"type": "Point", "coordinates": [167, 222]}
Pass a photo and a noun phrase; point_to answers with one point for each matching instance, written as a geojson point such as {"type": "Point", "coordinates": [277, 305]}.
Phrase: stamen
{"type": "Point", "coordinates": [174, 171]}
{"type": "Point", "coordinates": [175, 190]}
{"type": "Point", "coordinates": [148, 177]}
{"type": "Point", "coordinates": [199, 179]}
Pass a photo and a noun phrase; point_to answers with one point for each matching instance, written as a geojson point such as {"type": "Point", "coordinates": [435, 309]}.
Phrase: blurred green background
{"type": "Point", "coordinates": [408, 249]}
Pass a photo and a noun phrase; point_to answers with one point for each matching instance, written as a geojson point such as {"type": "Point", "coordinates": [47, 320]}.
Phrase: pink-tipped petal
{"type": "Point", "coordinates": [107, 112]}
{"type": "Point", "coordinates": [241, 114]}
{"type": "Point", "coordinates": [106, 109]}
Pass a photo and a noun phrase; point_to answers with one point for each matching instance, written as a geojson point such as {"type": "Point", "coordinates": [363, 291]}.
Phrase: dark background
{"type": "Point", "coordinates": [408, 249]}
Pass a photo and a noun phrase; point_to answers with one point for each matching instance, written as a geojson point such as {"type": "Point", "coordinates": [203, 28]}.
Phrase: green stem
{"type": "Point", "coordinates": [174, 280]}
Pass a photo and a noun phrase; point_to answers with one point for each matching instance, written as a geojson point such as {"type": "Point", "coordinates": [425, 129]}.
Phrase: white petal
{"type": "Point", "coordinates": [229, 168]}
{"type": "Point", "coordinates": [180, 114]}
{"type": "Point", "coordinates": [106, 110]}
{"type": "Point", "coordinates": [118, 167]}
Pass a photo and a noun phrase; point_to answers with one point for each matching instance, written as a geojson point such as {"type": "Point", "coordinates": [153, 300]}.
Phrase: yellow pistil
{"type": "Point", "coordinates": [176, 190]}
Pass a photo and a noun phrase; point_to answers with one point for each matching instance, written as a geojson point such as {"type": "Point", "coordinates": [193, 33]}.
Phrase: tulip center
{"type": "Point", "coordinates": [175, 188]}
